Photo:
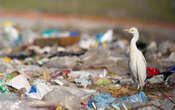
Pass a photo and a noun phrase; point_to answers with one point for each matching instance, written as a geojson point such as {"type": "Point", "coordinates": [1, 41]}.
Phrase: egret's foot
{"type": "Point", "coordinates": [138, 87]}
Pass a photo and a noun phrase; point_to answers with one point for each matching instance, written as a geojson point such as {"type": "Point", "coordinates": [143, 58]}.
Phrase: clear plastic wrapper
{"type": "Point", "coordinates": [129, 101]}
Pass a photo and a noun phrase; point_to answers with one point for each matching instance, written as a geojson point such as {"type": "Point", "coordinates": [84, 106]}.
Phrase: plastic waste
{"type": "Point", "coordinates": [3, 88]}
{"type": "Point", "coordinates": [11, 102]}
{"type": "Point", "coordinates": [67, 97]}
{"type": "Point", "coordinates": [79, 74]}
{"type": "Point", "coordinates": [152, 71]}
{"type": "Point", "coordinates": [28, 36]}
{"type": "Point", "coordinates": [171, 57]}
{"type": "Point", "coordinates": [38, 90]}
{"type": "Point", "coordinates": [152, 46]}
{"type": "Point", "coordinates": [87, 43]}
{"type": "Point", "coordinates": [62, 54]}
{"type": "Point", "coordinates": [169, 77]}
{"type": "Point", "coordinates": [6, 59]}
{"type": "Point", "coordinates": [101, 58]}
{"type": "Point", "coordinates": [168, 105]}
{"type": "Point", "coordinates": [19, 82]}
{"type": "Point", "coordinates": [101, 101]}
{"type": "Point", "coordinates": [30, 70]}
{"type": "Point", "coordinates": [166, 47]}
{"type": "Point", "coordinates": [11, 34]}
{"type": "Point", "coordinates": [59, 108]}
{"type": "Point", "coordinates": [106, 37]}
{"type": "Point", "coordinates": [104, 81]}
{"type": "Point", "coordinates": [59, 82]}
{"type": "Point", "coordinates": [82, 82]}
{"type": "Point", "coordinates": [129, 101]}
{"type": "Point", "coordinates": [62, 62]}
{"type": "Point", "coordinates": [11, 75]}
{"type": "Point", "coordinates": [46, 75]}
{"type": "Point", "coordinates": [156, 79]}
{"type": "Point", "coordinates": [122, 44]}
{"type": "Point", "coordinates": [5, 67]}
{"type": "Point", "coordinates": [50, 33]}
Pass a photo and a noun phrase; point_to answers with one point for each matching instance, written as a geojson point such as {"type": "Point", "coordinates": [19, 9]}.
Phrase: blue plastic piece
{"type": "Point", "coordinates": [99, 37]}
{"type": "Point", "coordinates": [17, 41]}
{"type": "Point", "coordinates": [33, 89]}
{"type": "Point", "coordinates": [50, 32]}
{"type": "Point", "coordinates": [171, 69]}
{"type": "Point", "coordinates": [101, 101]}
{"type": "Point", "coordinates": [130, 100]}
{"type": "Point", "coordinates": [73, 34]}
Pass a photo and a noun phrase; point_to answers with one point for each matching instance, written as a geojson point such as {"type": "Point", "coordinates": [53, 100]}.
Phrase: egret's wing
{"type": "Point", "coordinates": [141, 68]}
{"type": "Point", "coordinates": [133, 69]}
{"type": "Point", "coordinates": [143, 58]}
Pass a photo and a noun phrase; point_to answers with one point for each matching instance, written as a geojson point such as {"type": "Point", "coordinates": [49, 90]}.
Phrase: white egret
{"type": "Point", "coordinates": [137, 62]}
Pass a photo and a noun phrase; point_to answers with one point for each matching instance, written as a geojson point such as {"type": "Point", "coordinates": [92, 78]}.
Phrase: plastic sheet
{"type": "Point", "coordinates": [129, 101]}
{"type": "Point", "coordinates": [10, 102]}
{"type": "Point", "coordinates": [101, 101]}
{"type": "Point", "coordinates": [67, 97]}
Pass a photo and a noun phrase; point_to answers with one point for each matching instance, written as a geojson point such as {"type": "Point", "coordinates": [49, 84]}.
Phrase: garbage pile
{"type": "Point", "coordinates": [68, 70]}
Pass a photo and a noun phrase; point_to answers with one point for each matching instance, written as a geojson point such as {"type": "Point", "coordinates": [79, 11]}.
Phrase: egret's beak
{"type": "Point", "coordinates": [127, 30]}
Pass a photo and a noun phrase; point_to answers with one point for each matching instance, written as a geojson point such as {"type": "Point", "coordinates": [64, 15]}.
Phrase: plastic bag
{"type": "Point", "coordinates": [19, 82]}
{"type": "Point", "coordinates": [129, 101]}
{"type": "Point", "coordinates": [101, 101]}
{"type": "Point", "coordinates": [106, 37]}
{"type": "Point", "coordinates": [62, 62]}
{"type": "Point", "coordinates": [10, 102]}
{"type": "Point", "coordinates": [5, 67]}
{"type": "Point", "coordinates": [65, 96]}
{"type": "Point", "coordinates": [102, 58]}
{"type": "Point", "coordinates": [38, 91]}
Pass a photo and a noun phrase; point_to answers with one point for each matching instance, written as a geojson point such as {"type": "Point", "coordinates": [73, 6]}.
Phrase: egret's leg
{"type": "Point", "coordinates": [138, 86]}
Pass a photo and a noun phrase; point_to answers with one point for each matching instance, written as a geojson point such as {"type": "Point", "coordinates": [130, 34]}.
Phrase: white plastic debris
{"type": "Point", "coordinates": [87, 43]}
{"type": "Point", "coordinates": [82, 82]}
{"type": "Point", "coordinates": [19, 82]}
{"type": "Point", "coordinates": [41, 90]}
{"type": "Point", "coordinates": [79, 74]}
{"type": "Point", "coordinates": [107, 37]}
{"type": "Point", "coordinates": [104, 74]}
{"type": "Point", "coordinates": [59, 82]}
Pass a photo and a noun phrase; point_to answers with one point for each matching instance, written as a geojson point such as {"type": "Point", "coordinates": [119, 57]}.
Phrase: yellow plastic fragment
{"type": "Point", "coordinates": [104, 44]}
{"type": "Point", "coordinates": [7, 23]}
{"type": "Point", "coordinates": [59, 108]}
{"type": "Point", "coordinates": [6, 59]}
{"type": "Point", "coordinates": [104, 81]}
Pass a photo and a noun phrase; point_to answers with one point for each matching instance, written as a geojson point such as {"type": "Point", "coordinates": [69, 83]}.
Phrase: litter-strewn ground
{"type": "Point", "coordinates": [80, 65]}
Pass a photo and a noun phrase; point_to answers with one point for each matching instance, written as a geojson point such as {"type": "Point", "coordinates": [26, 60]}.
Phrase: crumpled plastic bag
{"type": "Point", "coordinates": [62, 62]}
{"type": "Point", "coordinates": [101, 58]}
{"type": "Point", "coordinates": [19, 82]}
{"type": "Point", "coordinates": [65, 96]}
{"type": "Point", "coordinates": [38, 90]}
{"type": "Point", "coordinates": [101, 101]}
{"type": "Point", "coordinates": [30, 70]}
{"type": "Point", "coordinates": [129, 101]}
{"type": "Point", "coordinates": [5, 67]}
{"type": "Point", "coordinates": [9, 102]}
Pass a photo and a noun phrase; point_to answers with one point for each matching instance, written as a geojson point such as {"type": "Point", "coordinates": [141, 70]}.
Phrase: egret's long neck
{"type": "Point", "coordinates": [134, 40]}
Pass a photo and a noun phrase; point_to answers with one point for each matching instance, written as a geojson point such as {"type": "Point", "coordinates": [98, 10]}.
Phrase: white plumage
{"type": "Point", "coordinates": [137, 62]}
